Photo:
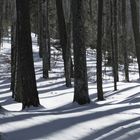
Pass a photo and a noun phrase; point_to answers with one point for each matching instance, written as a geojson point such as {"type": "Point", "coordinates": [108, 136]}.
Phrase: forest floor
{"type": "Point", "coordinates": [116, 118]}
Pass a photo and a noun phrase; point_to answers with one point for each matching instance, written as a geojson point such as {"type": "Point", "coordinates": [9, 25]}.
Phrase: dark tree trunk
{"type": "Point", "coordinates": [81, 95]}
{"type": "Point", "coordinates": [26, 84]}
{"type": "Point", "coordinates": [40, 27]}
{"type": "Point", "coordinates": [48, 37]}
{"type": "Point", "coordinates": [64, 42]}
{"type": "Point", "coordinates": [115, 14]}
{"type": "Point", "coordinates": [99, 51]}
{"type": "Point", "coordinates": [45, 54]}
{"type": "Point", "coordinates": [135, 25]}
{"type": "Point", "coordinates": [1, 18]}
{"type": "Point", "coordinates": [114, 66]}
{"type": "Point", "coordinates": [107, 33]}
{"type": "Point", "coordinates": [13, 48]}
{"type": "Point", "coordinates": [124, 41]}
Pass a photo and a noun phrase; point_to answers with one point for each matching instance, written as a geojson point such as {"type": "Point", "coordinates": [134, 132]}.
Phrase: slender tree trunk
{"type": "Point", "coordinates": [107, 33]}
{"type": "Point", "coordinates": [99, 51]}
{"type": "Point", "coordinates": [45, 53]}
{"type": "Point", "coordinates": [135, 25]}
{"type": "Point", "coordinates": [13, 48]}
{"type": "Point", "coordinates": [48, 37]}
{"type": "Point", "coordinates": [1, 17]}
{"type": "Point", "coordinates": [124, 41]}
{"type": "Point", "coordinates": [40, 26]}
{"type": "Point", "coordinates": [81, 95]}
{"type": "Point", "coordinates": [115, 13]}
{"type": "Point", "coordinates": [64, 42]}
{"type": "Point", "coordinates": [113, 45]}
{"type": "Point", "coordinates": [67, 5]}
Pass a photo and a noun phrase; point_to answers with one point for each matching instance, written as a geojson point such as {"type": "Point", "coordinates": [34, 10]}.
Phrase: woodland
{"type": "Point", "coordinates": [88, 49]}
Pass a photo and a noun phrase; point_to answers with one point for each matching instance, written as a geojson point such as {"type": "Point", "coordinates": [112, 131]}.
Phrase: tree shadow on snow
{"type": "Point", "coordinates": [45, 129]}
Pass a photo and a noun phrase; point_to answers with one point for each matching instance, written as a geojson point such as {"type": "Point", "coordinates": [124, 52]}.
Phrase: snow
{"type": "Point", "coordinates": [116, 118]}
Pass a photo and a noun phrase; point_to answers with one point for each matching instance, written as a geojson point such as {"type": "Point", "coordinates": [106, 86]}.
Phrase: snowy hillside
{"type": "Point", "coordinates": [116, 118]}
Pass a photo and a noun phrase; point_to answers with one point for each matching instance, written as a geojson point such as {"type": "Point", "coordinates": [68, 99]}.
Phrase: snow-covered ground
{"type": "Point", "coordinates": [116, 118]}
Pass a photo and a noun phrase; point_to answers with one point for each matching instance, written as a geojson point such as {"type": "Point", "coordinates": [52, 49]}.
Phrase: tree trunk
{"type": "Point", "coordinates": [64, 42]}
{"type": "Point", "coordinates": [68, 19]}
{"type": "Point", "coordinates": [135, 25]}
{"type": "Point", "coordinates": [81, 95]}
{"type": "Point", "coordinates": [107, 33]}
{"type": "Point", "coordinates": [99, 51]}
{"type": "Point", "coordinates": [115, 14]}
{"type": "Point", "coordinates": [45, 54]}
{"type": "Point", "coordinates": [13, 48]}
{"type": "Point", "coordinates": [26, 84]}
{"type": "Point", "coordinates": [1, 17]}
{"type": "Point", "coordinates": [124, 41]}
{"type": "Point", "coordinates": [40, 26]}
{"type": "Point", "coordinates": [113, 45]}
{"type": "Point", "coordinates": [48, 37]}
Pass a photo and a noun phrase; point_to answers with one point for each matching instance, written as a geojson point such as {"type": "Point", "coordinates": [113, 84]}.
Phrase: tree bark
{"type": "Point", "coordinates": [13, 48]}
{"type": "Point", "coordinates": [99, 51]}
{"type": "Point", "coordinates": [26, 84]}
{"type": "Point", "coordinates": [64, 42]}
{"type": "Point", "coordinates": [135, 25]}
{"type": "Point", "coordinates": [45, 51]}
{"type": "Point", "coordinates": [115, 22]}
{"type": "Point", "coordinates": [1, 19]}
{"type": "Point", "coordinates": [114, 66]}
{"type": "Point", "coordinates": [124, 41]}
{"type": "Point", "coordinates": [81, 95]}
